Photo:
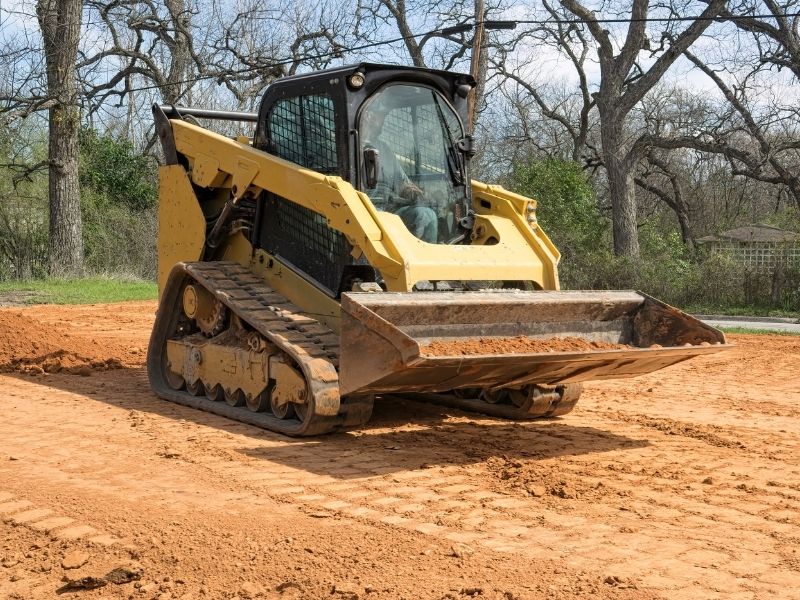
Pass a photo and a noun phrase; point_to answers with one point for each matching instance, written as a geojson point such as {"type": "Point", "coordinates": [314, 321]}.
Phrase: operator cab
{"type": "Point", "coordinates": [395, 133]}
{"type": "Point", "coordinates": [409, 137]}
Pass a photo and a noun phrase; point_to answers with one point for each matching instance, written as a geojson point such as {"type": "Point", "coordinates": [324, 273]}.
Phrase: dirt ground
{"type": "Point", "coordinates": [681, 484]}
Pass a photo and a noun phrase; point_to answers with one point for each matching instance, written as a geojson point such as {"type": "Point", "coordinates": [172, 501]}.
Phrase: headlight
{"type": "Point", "coordinates": [356, 80]}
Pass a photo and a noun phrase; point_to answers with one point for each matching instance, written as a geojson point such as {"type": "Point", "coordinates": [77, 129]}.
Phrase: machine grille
{"type": "Point", "coordinates": [303, 238]}
{"type": "Point", "coordinates": [302, 129]}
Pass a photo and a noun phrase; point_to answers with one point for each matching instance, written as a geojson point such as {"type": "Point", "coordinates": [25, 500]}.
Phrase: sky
{"type": "Point", "coordinates": [16, 13]}
{"type": "Point", "coordinates": [540, 63]}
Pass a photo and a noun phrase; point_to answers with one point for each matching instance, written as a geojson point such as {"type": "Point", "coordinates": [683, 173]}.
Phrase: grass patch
{"type": "Point", "coordinates": [757, 331]}
{"type": "Point", "coordinates": [90, 290]}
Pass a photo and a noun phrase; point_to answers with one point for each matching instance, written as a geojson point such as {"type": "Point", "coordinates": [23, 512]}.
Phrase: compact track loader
{"type": "Point", "coordinates": [344, 252]}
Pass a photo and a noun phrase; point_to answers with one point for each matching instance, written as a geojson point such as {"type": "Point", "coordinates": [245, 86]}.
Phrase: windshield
{"type": "Point", "coordinates": [420, 174]}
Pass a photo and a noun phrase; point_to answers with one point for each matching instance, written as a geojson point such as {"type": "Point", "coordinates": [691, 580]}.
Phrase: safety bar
{"type": "Point", "coordinates": [176, 112]}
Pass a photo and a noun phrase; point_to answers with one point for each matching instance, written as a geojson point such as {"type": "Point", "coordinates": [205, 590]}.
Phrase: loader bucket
{"type": "Point", "coordinates": [392, 342]}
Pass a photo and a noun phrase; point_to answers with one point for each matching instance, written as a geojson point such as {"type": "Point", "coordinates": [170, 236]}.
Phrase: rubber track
{"type": "Point", "coordinates": [310, 344]}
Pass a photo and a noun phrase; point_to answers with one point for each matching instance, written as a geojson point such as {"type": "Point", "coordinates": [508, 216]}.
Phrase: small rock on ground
{"type": "Point", "coordinates": [461, 550]}
{"type": "Point", "coordinates": [75, 559]}
{"type": "Point", "coordinates": [537, 491]}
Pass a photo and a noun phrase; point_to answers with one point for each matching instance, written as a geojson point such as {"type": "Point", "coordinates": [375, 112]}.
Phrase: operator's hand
{"type": "Point", "coordinates": [411, 193]}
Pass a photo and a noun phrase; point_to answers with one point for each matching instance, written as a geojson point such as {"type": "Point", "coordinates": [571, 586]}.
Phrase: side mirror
{"type": "Point", "coordinates": [371, 166]}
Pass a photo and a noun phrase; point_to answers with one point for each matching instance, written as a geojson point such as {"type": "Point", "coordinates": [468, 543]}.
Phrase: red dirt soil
{"type": "Point", "coordinates": [35, 345]}
{"type": "Point", "coordinates": [682, 485]}
{"type": "Point", "coordinates": [514, 345]}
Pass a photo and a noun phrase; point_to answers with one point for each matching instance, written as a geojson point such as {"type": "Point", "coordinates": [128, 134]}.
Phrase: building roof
{"type": "Point", "coordinates": [757, 232]}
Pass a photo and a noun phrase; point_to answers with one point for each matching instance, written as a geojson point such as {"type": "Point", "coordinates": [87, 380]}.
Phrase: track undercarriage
{"type": "Point", "coordinates": [226, 343]}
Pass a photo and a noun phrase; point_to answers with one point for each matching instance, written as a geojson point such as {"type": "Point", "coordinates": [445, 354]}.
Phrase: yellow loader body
{"type": "Point", "coordinates": [236, 308]}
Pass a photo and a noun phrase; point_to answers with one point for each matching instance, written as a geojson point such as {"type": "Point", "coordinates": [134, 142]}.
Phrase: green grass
{"type": "Point", "coordinates": [756, 331]}
{"type": "Point", "coordinates": [90, 290]}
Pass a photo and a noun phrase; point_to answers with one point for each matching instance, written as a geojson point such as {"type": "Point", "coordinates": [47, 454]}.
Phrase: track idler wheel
{"type": "Point", "coordinates": [494, 396]}
{"type": "Point", "coordinates": [196, 388]}
{"type": "Point", "coordinates": [174, 380]}
{"type": "Point", "coordinates": [214, 392]}
{"type": "Point", "coordinates": [300, 411]}
{"type": "Point", "coordinates": [282, 411]}
{"type": "Point", "coordinates": [259, 402]}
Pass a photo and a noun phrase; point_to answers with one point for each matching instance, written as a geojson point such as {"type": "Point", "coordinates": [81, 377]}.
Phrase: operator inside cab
{"type": "Point", "coordinates": [408, 135]}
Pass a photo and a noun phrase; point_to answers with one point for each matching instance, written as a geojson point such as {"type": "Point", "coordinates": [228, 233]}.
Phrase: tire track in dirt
{"type": "Point", "coordinates": [378, 475]}
{"type": "Point", "coordinates": [644, 482]}
{"type": "Point", "coordinates": [104, 451]}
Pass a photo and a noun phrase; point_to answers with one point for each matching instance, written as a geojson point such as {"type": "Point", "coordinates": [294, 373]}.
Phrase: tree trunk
{"type": "Point", "coordinates": [621, 188]}
{"type": "Point", "coordinates": [794, 190]}
{"type": "Point", "coordinates": [686, 232]}
{"type": "Point", "coordinates": [180, 56]}
{"type": "Point", "coordinates": [60, 22]}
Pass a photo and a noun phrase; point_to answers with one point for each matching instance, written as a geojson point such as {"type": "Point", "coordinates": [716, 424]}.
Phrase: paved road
{"type": "Point", "coordinates": [758, 324]}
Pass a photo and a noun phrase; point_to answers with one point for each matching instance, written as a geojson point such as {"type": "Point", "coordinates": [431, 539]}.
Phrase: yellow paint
{"type": "Point", "coordinates": [238, 249]}
{"type": "Point", "coordinates": [290, 386]}
{"type": "Point", "coordinates": [216, 363]}
{"type": "Point", "coordinates": [181, 225]}
{"type": "Point", "coordinates": [523, 252]}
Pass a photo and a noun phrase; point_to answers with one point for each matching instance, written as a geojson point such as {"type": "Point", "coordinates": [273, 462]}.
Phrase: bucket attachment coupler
{"type": "Point", "coordinates": [386, 338]}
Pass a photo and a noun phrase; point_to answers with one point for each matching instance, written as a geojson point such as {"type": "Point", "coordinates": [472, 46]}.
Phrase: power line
{"type": "Point", "coordinates": [655, 19]}
{"type": "Point", "coordinates": [493, 24]}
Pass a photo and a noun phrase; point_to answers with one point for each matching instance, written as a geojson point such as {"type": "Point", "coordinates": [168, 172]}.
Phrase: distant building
{"type": "Point", "coordinates": [761, 247]}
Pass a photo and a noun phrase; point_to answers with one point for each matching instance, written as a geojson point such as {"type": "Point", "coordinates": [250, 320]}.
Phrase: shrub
{"type": "Point", "coordinates": [23, 239]}
{"type": "Point", "coordinates": [118, 239]}
{"type": "Point", "coordinates": [118, 198]}
{"type": "Point", "coordinates": [567, 209]}
{"type": "Point", "coordinates": [112, 167]}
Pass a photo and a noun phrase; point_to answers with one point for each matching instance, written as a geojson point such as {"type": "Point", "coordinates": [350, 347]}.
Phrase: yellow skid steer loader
{"type": "Point", "coordinates": [344, 251]}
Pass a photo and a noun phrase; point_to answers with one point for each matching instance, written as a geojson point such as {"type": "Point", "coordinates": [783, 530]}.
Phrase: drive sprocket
{"type": "Point", "coordinates": [210, 315]}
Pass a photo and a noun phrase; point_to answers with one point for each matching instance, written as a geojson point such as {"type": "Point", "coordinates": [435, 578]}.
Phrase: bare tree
{"type": "Point", "coordinates": [437, 34]}
{"type": "Point", "coordinates": [777, 37]}
{"type": "Point", "coordinates": [399, 11]}
{"type": "Point", "coordinates": [423, 23]}
{"type": "Point", "coordinates": [144, 40]}
{"type": "Point", "coordinates": [756, 132]}
{"type": "Point", "coordinates": [760, 140]}
{"type": "Point", "coordinates": [60, 23]}
{"type": "Point", "coordinates": [663, 180]}
{"type": "Point", "coordinates": [567, 111]}
{"type": "Point", "coordinates": [257, 46]}
{"type": "Point", "coordinates": [623, 84]}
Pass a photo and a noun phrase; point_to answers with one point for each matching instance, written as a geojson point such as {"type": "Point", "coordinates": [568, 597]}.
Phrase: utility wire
{"type": "Point", "coordinates": [462, 28]}
{"type": "Point", "coordinates": [288, 61]}
{"type": "Point", "coordinates": [656, 19]}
